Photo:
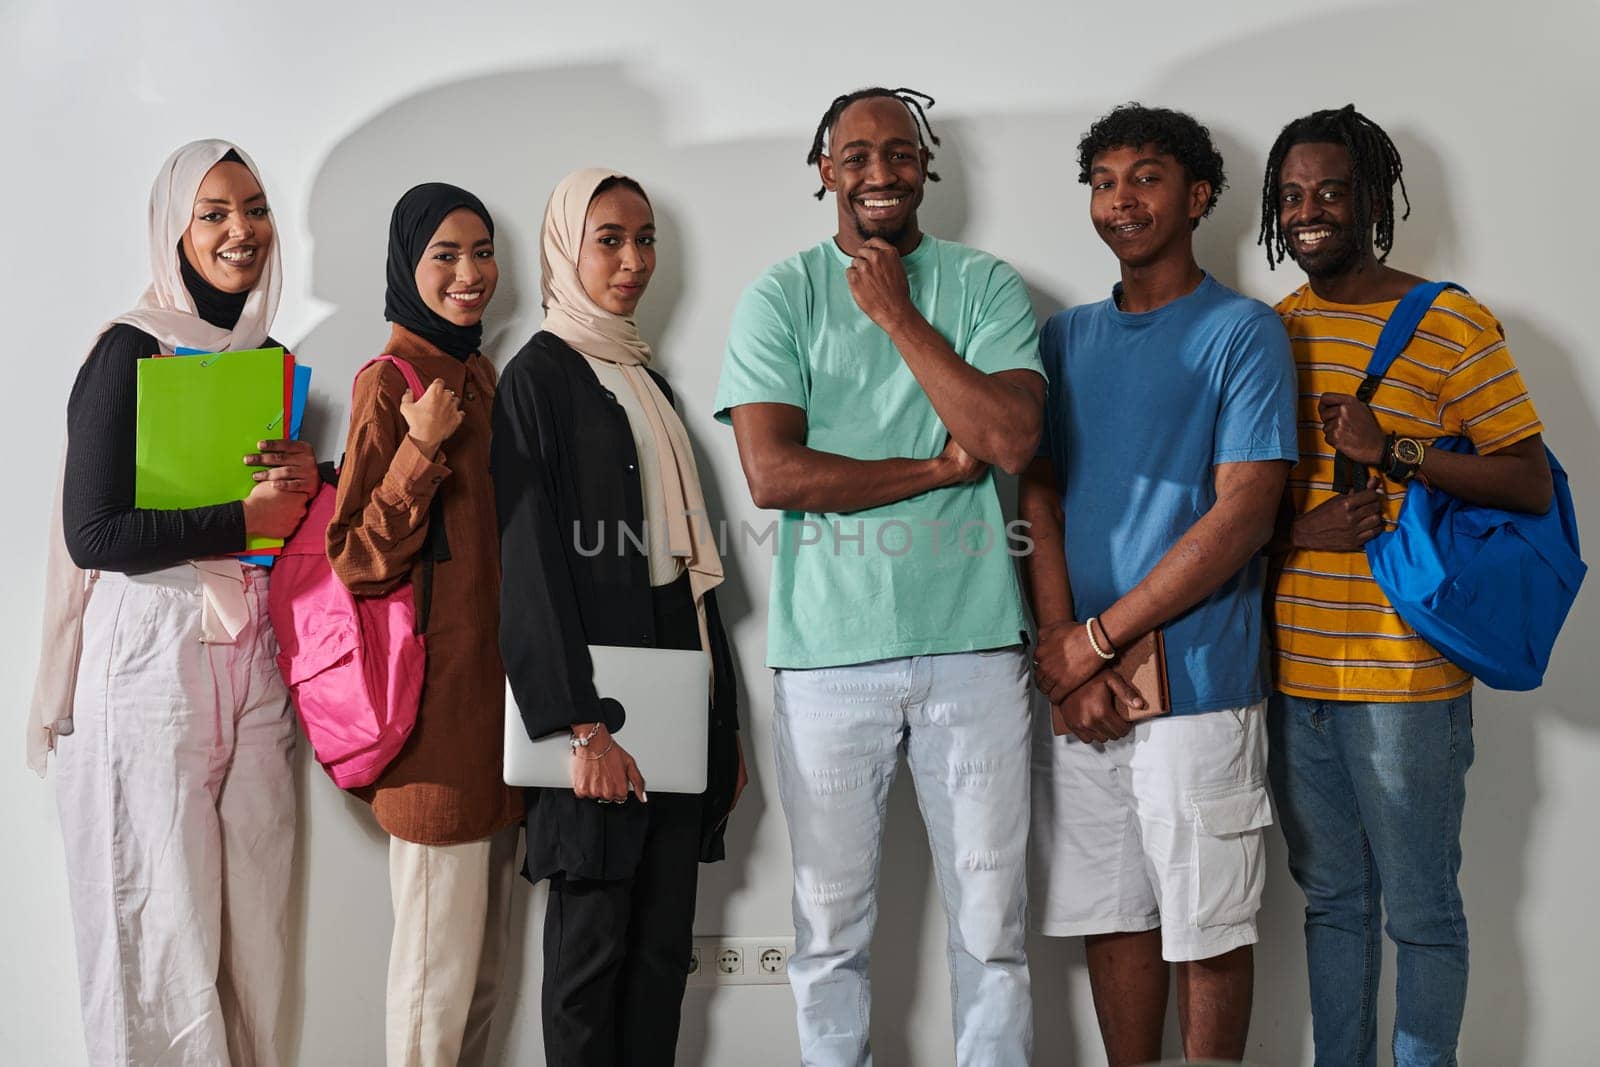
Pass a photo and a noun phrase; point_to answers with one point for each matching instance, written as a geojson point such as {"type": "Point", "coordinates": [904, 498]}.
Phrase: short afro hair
{"type": "Point", "coordinates": [1172, 132]}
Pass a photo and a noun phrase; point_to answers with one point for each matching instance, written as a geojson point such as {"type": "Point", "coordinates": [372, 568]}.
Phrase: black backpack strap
{"type": "Point", "coordinates": [435, 549]}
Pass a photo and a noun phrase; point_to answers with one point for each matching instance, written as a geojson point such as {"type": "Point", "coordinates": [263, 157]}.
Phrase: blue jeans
{"type": "Point", "coordinates": [1370, 797]}
{"type": "Point", "coordinates": [963, 721]}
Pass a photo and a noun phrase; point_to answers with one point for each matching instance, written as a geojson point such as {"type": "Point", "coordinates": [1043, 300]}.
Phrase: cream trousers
{"type": "Point", "coordinates": [452, 909]}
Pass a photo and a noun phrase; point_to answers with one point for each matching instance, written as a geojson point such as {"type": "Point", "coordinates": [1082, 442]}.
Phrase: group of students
{"type": "Point", "coordinates": [1176, 445]}
{"type": "Point", "coordinates": [161, 696]}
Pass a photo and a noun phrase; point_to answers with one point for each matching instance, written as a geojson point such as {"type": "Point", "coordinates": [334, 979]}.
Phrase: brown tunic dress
{"type": "Point", "coordinates": [445, 787]}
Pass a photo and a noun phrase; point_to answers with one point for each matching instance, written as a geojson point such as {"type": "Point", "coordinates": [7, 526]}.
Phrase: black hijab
{"type": "Point", "coordinates": [415, 218]}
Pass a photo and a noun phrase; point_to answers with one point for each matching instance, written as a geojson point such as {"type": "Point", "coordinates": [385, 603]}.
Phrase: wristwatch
{"type": "Point", "coordinates": [1402, 457]}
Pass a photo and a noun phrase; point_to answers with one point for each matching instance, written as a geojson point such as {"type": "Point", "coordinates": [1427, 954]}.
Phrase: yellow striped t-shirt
{"type": "Point", "coordinates": [1335, 635]}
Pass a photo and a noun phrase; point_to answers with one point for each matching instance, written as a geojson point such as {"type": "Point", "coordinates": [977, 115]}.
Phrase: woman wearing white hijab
{"type": "Point", "coordinates": [586, 439]}
{"type": "Point", "coordinates": [157, 688]}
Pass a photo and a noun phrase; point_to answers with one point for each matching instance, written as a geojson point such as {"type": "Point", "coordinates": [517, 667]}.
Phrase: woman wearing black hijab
{"type": "Point", "coordinates": [416, 483]}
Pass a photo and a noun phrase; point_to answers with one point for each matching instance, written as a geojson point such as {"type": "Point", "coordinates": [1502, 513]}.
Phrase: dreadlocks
{"type": "Point", "coordinates": [1374, 171]}
{"type": "Point", "coordinates": [915, 102]}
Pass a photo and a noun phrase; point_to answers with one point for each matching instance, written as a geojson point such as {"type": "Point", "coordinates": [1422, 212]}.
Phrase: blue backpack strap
{"type": "Point", "coordinates": [1348, 475]}
{"type": "Point", "coordinates": [1398, 331]}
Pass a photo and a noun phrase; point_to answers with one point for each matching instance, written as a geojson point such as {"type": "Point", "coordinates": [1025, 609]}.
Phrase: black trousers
{"type": "Point", "coordinates": [616, 953]}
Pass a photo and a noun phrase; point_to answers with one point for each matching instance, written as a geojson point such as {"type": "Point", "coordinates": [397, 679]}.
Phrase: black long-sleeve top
{"type": "Point", "coordinates": [563, 460]}
{"type": "Point", "coordinates": [103, 530]}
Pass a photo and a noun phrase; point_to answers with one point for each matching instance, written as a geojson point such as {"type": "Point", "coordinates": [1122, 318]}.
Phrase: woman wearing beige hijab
{"type": "Point", "coordinates": [157, 688]}
{"type": "Point", "coordinates": [586, 439]}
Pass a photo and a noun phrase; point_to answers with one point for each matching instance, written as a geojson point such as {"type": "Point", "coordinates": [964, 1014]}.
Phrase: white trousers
{"type": "Point", "coordinates": [177, 807]}
{"type": "Point", "coordinates": [452, 912]}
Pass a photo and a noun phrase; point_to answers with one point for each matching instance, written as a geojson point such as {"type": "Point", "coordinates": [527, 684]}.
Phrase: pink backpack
{"type": "Point", "coordinates": [353, 664]}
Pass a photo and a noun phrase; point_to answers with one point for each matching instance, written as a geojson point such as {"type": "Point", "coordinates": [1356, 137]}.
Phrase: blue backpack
{"type": "Point", "coordinates": [1488, 588]}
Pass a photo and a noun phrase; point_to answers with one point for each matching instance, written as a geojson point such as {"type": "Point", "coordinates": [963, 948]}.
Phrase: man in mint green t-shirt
{"type": "Point", "coordinates": [872, 382]}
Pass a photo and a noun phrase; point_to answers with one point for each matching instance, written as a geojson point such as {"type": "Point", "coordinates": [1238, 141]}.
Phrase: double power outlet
{"type": "Point", "coordinates": [740, 961]}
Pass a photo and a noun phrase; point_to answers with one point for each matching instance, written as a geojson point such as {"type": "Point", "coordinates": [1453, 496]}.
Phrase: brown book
{"type": "Point", "coordinates": [1142, 665]}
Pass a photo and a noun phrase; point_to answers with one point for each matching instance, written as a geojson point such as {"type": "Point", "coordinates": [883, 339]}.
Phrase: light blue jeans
{"type": "Point", "coordinates": [963, 722]}
{"type": "Point", "coordinates": [1370, 797]}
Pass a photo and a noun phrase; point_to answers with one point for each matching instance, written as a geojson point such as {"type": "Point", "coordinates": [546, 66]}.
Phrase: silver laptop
{"type": "Point", "coordinates": [663, 693]}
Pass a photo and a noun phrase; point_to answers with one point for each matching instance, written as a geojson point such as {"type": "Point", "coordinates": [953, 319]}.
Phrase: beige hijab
{"type": "Point", "coordinates": [167, 312]}
{"type": "Point", "coordinates": [571, 315]}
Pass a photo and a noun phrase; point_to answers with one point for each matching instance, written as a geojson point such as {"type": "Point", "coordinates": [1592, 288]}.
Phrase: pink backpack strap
{"type": "Point", "coordinates": [413, 381]}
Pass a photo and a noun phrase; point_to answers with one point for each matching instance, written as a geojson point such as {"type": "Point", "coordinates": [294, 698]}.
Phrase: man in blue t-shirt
{"type": "Point", "coordinates": [1169, 431]}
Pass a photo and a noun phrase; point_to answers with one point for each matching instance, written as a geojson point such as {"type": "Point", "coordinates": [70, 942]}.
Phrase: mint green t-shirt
{"type": "Point", "coordinates": [930, 574]}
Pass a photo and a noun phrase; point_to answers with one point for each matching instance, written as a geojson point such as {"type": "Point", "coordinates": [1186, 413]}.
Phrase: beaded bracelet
{"type": "Point", "coordinates": [1088, 628]}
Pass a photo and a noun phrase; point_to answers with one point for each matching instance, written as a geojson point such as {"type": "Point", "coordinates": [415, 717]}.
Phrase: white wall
{"type": "Point", "coordinates": [713, 106]}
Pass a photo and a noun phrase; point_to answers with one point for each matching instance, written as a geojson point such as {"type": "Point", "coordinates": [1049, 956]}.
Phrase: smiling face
{"type": "Point", "coordinates": [1317, 211]}
{"type": "Point", "coordinates": [1143, 204]}
{"type": "Point", "coordinates": [876, 168]}
{"type": "Point", "coordinates": [457, 274]}
{"type": "Point", "coordinates": [230, 232]}
{"type": "Point", "coordinates": [618, 254]}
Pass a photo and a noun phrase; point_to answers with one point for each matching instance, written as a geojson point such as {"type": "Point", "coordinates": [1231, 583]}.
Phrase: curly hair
{"type": "Point", "coordinates": [1172, 132]}
{"type": "Point", "coordinates": [916, 103]}
{"type": "Point", "coordinates": [1375, 168]}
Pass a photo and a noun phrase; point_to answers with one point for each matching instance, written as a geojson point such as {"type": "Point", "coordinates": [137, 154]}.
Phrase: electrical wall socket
{"type": "Point", "coordinates": [740, 961]}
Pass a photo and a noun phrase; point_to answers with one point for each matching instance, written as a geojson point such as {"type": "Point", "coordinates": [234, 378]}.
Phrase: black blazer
{"type": "Point", "coordinates": [564, 461]}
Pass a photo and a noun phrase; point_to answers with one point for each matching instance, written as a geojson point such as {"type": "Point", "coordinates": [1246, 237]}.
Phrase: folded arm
{"type": "Point", "coordinates": [784, 474]}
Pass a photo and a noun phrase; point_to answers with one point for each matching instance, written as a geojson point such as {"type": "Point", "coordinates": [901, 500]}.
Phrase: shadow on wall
{"type": "Point", "coordinates": [700, 199]}
{"type": "Point", "coordinates": [742, 206]}
{"type": "Point", "coordinates": [706, 204]}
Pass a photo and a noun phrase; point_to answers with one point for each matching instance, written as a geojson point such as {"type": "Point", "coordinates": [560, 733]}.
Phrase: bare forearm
{"type": "Point", "coordinates": [993, 419]}
{"type": "Point", "coordinates": [1516, 478]}
{"type": "Point", "coordinates": [1212, 551]}
{"type": "Point", "coordinates": [1044, 569]}
{"type": "Point", "coordinates": [796, 478]}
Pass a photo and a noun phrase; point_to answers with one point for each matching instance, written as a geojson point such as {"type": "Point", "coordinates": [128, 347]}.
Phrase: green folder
{"type": "Point", "coordinates": [198, 417]}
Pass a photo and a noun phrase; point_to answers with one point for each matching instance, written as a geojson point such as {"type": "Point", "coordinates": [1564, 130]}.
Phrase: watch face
{"type": "Point", "coordinates": [1408, 451]}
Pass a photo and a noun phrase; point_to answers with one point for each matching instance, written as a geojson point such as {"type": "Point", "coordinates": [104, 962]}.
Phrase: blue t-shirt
{"type": "Point", "coordinates": [1141, 408]}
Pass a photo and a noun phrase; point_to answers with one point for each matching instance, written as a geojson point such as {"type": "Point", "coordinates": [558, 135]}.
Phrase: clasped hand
{"type": "Point", "coordinates": [1064, 660]}
{"type": "Point", "coordinates": [284, 487]}
{"type": "Point", "coordinates": [1343, 524]}
{"type": "Point", "coordinates": [1351, 427]}
{"type": "Point", "coordinates": [433, 417]}
{"type": "Point", "coordinates": [603, 770]}
{"type": "Point", "coordinates": [1075, 680]}
{"type": "Point", "coordinates": [1095, 710]}
{"type": "Point", "coordinates": [878, 282]}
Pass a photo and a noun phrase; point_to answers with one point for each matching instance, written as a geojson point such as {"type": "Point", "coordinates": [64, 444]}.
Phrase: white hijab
{"type": "Point", "coordinates": [167, 312]}
{"type": "Point", "coordinates": [572, 315]}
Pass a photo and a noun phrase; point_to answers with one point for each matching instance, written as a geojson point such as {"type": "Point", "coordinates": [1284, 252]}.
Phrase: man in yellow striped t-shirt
{"type": "Point", "coordinates": [1371, 727]}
